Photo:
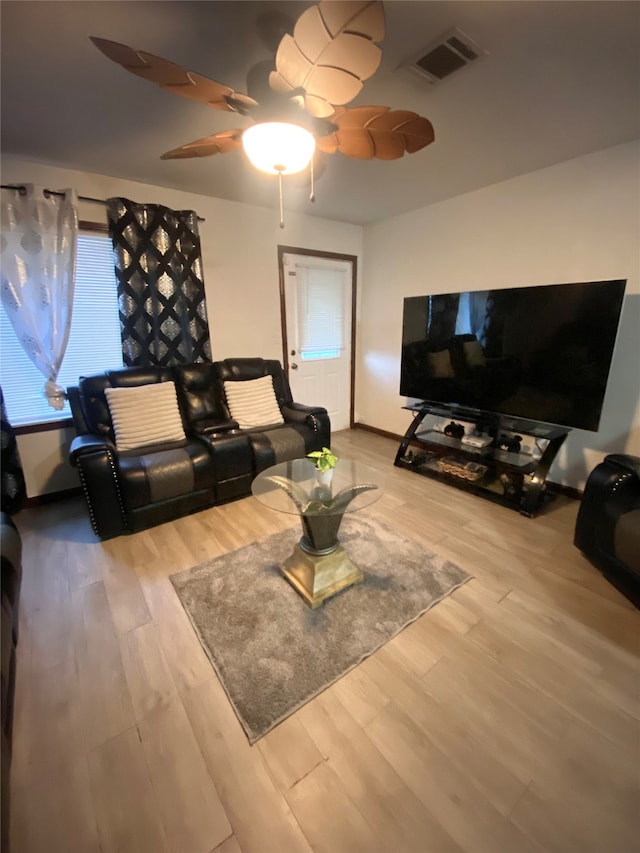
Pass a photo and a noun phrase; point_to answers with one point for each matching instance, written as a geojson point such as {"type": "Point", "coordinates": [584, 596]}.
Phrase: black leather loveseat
{"type": "Point", "coordinates": [608, 523]}
{"type": "Point", "coordinates": [177, 459]}
{"type": "Point", "coordinates": [11, 548]}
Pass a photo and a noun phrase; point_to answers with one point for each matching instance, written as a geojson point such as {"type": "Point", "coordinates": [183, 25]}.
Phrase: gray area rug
{"type": "Point", "coordinates": [273, 653]}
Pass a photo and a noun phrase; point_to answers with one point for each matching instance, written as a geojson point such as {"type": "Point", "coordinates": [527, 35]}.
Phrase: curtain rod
{"type": "Point", "coordinates": [22, 190]}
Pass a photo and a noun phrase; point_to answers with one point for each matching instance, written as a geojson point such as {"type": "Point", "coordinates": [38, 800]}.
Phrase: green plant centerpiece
{"type": "Point", "coordinates": [325, 460]}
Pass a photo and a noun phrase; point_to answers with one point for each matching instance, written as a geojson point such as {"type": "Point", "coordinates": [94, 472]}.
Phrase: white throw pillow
{"type": "Point", "coordinates": [145, 415]}
{"type": "Point", "coordinates": [253, 403]}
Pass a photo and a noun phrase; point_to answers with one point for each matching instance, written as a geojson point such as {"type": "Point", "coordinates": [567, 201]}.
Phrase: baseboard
{"type": "Point", "coordinates": [556, 488]}
{"type": "Point", "coordinates": [52, 497]}
{"type": "Point", "coordinates": [566, 491]}
{"type": "Point", "coordinates": [383, 432]}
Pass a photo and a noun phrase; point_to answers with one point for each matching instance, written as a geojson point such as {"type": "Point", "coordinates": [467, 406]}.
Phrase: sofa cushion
{"type": "Point", "coordinates": [145, 415]}
{"type": "Point", "coordinates": [164, 473]}
{"type": "Point", "coordinates": [271, 445]}
{"type": "Point", "coordinates": [626, 538]}
{"type": "Point", "coordinates": [252, 402]}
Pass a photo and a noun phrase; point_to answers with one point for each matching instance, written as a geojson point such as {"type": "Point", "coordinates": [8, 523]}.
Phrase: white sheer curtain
{"type": "Point", "coordinates": [37, 262]}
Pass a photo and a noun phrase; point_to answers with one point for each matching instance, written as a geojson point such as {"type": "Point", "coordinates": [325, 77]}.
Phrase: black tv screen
{"type": "Point", "coordinates": [541, 353]}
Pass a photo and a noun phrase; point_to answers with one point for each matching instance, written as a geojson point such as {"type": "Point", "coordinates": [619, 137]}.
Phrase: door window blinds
{"type": "Point", "coordinates": [321, 313]}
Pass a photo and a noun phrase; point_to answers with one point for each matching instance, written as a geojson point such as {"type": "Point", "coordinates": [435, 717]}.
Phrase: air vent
{"type": "Point", "coordinates": [449, 54]}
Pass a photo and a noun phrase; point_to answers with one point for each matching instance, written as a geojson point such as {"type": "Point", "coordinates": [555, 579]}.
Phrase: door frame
{"type": "Point", "coordinates": [334, 256]}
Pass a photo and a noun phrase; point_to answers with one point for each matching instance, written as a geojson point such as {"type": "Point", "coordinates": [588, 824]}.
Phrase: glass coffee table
{"type": "Point", "coordinates": [319, 567]}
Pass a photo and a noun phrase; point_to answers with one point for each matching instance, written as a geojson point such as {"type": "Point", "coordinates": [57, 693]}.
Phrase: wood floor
{"type": "Point", "coordinates": [504, 720]}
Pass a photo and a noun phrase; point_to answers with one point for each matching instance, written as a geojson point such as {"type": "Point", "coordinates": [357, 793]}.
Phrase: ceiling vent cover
{"type": "Point", "coordinates": [452, 52]}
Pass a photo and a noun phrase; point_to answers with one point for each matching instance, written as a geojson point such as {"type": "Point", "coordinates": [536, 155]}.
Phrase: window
{"type": "Point", "coordinates": [321, 313]}
{"type": "Point", "coordinates": [94, 340]}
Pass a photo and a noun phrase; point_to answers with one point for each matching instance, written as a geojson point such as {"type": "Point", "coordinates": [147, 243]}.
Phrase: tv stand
{"type": "Point", "coordinates": [513, 479]}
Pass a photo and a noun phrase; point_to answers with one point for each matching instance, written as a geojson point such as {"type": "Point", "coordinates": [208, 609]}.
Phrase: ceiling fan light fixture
{"type": "Point", "coordinates": [277, 147]}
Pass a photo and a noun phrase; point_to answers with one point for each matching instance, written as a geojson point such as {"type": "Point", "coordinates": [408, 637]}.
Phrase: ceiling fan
{"type": "Point", "coordinates": [297, 108]}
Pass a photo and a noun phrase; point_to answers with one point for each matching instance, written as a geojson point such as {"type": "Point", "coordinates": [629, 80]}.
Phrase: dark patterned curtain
{"type": "Point", "coordinates": [163, 313]}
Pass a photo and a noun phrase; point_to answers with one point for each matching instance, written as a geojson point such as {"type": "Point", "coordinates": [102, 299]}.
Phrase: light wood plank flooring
{"type": "Point", "coordinates": [504, 720]}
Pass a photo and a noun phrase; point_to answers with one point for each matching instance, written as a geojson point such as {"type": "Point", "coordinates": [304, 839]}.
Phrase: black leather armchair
{"type": "Point", "coordinates": [608, 523]}
{"type": "Point", "coordinates": [11, 548]}
{"type": "Point", "coordinates": [13, 495]}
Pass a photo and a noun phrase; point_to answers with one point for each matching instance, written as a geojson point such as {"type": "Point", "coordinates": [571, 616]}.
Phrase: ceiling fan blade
{"type": "Point", "coordinates": [331, 52]}
{"type": "Point", "coordinates": [368, 133]}
{"type": "Point", "coordinates": [174, 78]}
{"type": "Point", "coordinates": [354, 16]}
{"type": "Point", "coordinates": [218, 143]}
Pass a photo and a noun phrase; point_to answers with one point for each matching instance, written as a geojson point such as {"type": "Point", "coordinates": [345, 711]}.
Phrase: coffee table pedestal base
{"type": "Point", "coordinates": [317, 578]}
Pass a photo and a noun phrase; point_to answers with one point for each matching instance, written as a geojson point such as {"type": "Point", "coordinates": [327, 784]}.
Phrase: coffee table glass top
{"type": "Point", "coordinates": [303, 494]}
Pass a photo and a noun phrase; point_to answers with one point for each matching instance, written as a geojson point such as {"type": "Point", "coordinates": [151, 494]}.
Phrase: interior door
{"type": "Point", "coordinates": [317, 304]}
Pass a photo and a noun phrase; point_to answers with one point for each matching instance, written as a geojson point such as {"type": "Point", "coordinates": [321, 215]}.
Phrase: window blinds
{"type": "Point", "coordinates": [321, 314]}
{"type": "Point", "coordinates": [94, 342]}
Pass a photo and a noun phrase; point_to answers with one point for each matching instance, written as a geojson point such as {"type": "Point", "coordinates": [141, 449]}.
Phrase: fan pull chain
{"type": "Point", "coordinates": [312, 197]}
{"type": "Point", "coordinates": [280, 189]}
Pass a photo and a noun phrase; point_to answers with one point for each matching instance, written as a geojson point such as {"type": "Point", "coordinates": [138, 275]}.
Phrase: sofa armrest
{"type": "Point", "coordinates": [624, 462]}
{"type": "Point", "coordinates": [298, 413]}
{"type": "Point", "coordinates": [89, 443]}
{"type": "Point", "coordinates": [315, 417]}
{"type": "Point", "coordinates": [615, 484]}
{"type": "Point", "coordinates": [11, 552]}
{"type": "Point", "coordinates": [95, 459]}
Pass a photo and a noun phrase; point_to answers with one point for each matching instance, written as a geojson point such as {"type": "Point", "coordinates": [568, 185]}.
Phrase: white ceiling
{"type": "Point", "coordinates": [561, 79]}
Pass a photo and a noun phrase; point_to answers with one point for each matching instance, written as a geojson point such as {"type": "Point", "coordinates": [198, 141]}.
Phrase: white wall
{"type": "Point", "coordinates": [239, 249]}
{"type": "Point", "coordinates": [576, 221]}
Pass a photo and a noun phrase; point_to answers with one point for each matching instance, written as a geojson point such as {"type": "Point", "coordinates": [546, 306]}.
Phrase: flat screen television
{"type": "Point", "coordinates": [539, 353]}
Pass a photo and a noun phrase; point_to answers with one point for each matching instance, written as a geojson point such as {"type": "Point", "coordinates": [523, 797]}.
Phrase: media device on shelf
{"type": "Point", "coordinates": [512, 443]}
{"type": "Point", "coordinates": [477, 440]}
{"type": "Point", "coordinates": [517, 365]}
{"type": "Point", "coordinates": [454, 430]}
{"type": "Point", "coordinates": [541, 353]}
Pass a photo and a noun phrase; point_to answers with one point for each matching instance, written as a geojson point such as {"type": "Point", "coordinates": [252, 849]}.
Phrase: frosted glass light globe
{"type": "Point", "coordinates": [278, 147]}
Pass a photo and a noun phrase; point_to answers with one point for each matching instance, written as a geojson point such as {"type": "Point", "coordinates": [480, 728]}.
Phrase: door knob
{"type": "Point", "coordinates": [294, 366]}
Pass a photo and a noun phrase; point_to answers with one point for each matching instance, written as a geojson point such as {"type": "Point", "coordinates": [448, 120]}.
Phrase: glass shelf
{"type": "Point", "coordinates": [515, 480]}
